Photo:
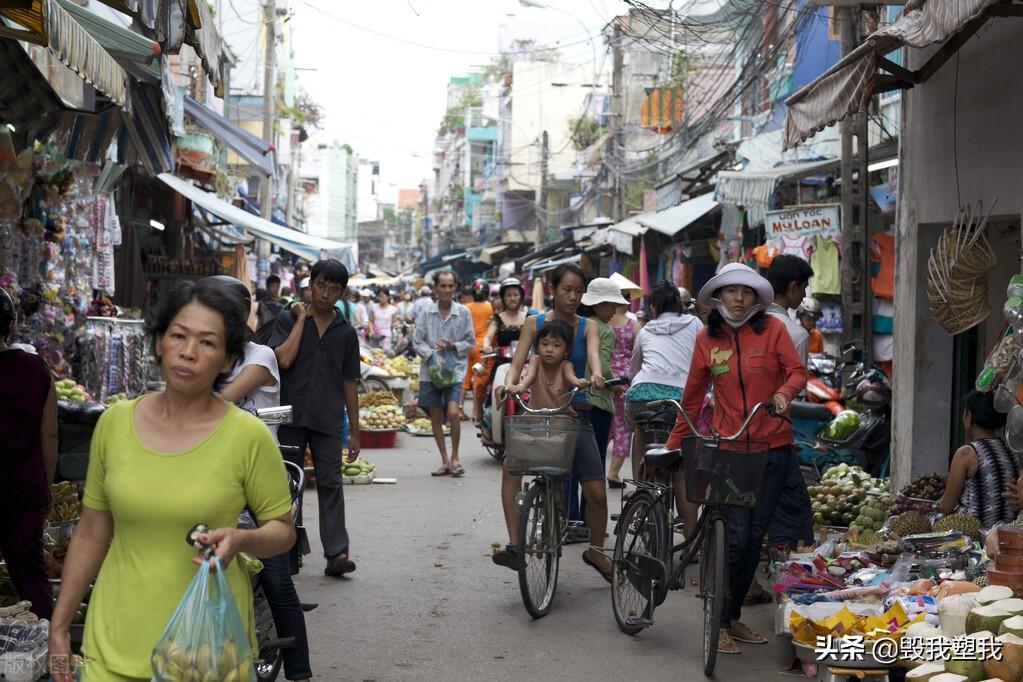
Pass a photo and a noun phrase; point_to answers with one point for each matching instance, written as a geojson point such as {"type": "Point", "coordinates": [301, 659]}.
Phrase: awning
{"type": "Point", "coordinates": [694, 179]}
{"type": "Point", "coordinates": [48, 23]}
{"type": "Point", "coordinates": [253, 149]}
{"type": "Point", "coordinates": [144, 136]}
{"type": "Point", "coordinates": [621, 234]}
{"type": "Point", "coordinates": [675, 219]}
{"type": "Point", "coordinates": [136, 54]}
{"type": "Point", "coordinates": [488, 253]}
{"type": "Point", "coordinates": [847, 86]}
{"type": "Point", "coordinates": [29, 104]}
{"type": "Point", "coordinates": [547, 265]}
{"type": "Point", "coordinates": [303, 245]}
{"type": "Point", "coordinates": [754, 189]}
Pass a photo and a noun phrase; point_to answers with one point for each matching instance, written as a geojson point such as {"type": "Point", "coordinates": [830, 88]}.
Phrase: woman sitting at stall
{"type": "Point", "coordinates": [983, 468]}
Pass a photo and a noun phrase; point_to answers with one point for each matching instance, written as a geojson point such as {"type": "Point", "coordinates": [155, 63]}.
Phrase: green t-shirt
{"type": "Point", "coordinates": [602, 399]}
{"type": "Point", "coordinates": [155, 498]}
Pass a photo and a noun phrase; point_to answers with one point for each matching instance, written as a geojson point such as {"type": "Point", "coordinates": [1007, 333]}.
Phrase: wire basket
{"type": "Point", "coordinates": [729, 474]}
{"type": "Point", "coordinates": [541, 444]}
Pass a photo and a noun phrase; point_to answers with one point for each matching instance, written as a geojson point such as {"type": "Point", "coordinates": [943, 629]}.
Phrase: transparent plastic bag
{"type": "Point", "coordinates": [205, 639]}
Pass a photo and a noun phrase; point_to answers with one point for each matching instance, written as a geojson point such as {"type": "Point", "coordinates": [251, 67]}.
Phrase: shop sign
{"type": "Point", "coordinates": [804, 222]}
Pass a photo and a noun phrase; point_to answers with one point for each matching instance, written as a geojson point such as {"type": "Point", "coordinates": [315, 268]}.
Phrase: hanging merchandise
{"type": "Point", "coordinates": [831, 318]}
{"type": "Point", "coordinates": [795, 246]}
{"type": "Point", "coordinates": [827, 278]}
{"type": "Point", "coordinates": [884, 316]}
{"type": "Point", "coordinates": [882, 265]}
{"type": "Point", "coordinates": [644, 273]}
{"type": "Point", "coordinates": [957, 272]}
{"type": "Point", "coordinates": [113, 357]}
{"type": "Point", "coordinates": [765, 253]}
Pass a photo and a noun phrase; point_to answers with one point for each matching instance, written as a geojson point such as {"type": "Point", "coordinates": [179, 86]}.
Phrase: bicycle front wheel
{"type": "Point", "coordinates": [539, 541]}
{"type": "Point", "coordinates": [638, 540]}
{"type": "Point", "coordinates": [713, 574]}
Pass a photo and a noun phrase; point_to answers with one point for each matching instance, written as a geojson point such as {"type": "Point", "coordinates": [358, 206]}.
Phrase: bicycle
{"type": "Point", "coordinates": [541, 443]}
{"type": "Point", "coordinates": [720, 472]}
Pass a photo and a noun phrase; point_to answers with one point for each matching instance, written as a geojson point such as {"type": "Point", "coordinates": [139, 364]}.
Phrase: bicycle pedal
{"type": "Point", "coordinates": [639, 622]}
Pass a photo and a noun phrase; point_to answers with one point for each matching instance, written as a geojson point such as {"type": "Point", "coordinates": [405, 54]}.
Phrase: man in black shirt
{"type": "Point", "coordinates": [318, 355]}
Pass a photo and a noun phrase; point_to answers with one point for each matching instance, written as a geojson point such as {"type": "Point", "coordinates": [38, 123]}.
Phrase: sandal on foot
{"type": "Point", "coordinates": [606, 575]}
{"type": "Point", "coordinates": [741, 632]}
{"type": "Point", "coordinates": [443, 471]}
{"type": "Point", "coordinates": [727, 645]}
{"type": "Point", "coordinates": [458, 471]}
{"type": "Point", "coordinates": [614, 485]}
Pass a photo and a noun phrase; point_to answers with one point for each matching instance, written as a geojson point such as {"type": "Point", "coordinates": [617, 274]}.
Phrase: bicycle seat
{"type": "Point", "coordinates": [662, 458]}
{"type": "Point", "coordinates": [801, 409]}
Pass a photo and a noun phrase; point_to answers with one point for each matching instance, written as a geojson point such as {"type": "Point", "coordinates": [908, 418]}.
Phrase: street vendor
{"type": "Point", "coordinates": [983, 468]}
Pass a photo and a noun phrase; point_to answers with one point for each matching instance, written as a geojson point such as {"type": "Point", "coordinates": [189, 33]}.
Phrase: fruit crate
{"type": "Point", "coordinates": [383, 438]}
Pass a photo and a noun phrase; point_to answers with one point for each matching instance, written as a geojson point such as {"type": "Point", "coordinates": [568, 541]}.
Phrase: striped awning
{"type": "Point", "coordinates": [29, 104]}
{"type": "Point", "coordinates": [253, 149]}
{"type": "Point", "coordinates": [136, 54]}
{"type": "Point", "coordinates": [144, 136]}
{"type": "Point", "coordinates": [45, 22]}
{"type": "Point", "coordinates": [848, 86]}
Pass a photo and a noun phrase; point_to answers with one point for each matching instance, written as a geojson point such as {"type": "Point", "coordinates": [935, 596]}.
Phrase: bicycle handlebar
{"type": "Point", "coordinates": [770, 408]}
{"type": "Point", "coordinates": [549, 411]}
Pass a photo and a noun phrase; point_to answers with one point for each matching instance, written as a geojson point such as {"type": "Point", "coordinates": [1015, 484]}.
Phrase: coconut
{"type": "Point", "coordinates": [1013, 625]}
{"type": "Point", "coordinates": [924, 672]}
{"type": "Point", "coordinates": [1013, 606]}
{"type": "Point", "coordinates": [953, 610]}
{"type": "Point", "coordinates": [985, 618]}
{"type": "Point", "coordinates": [972, 667]}
{"type": "Point", "coordinates": [993, 593]}
{"type": "Point", "coordinates": [949, 677]}
{"type": "Point", "coordinates": [1010, 668]}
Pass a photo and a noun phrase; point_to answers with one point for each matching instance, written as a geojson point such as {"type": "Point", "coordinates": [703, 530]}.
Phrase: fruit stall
{"type": "Point", "coordinates": [939, 590]}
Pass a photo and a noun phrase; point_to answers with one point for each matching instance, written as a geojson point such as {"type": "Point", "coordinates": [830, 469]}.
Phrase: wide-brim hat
{"type": "Point", "coordinates": [603, 290]}
{"type": "Point", "coordinates": [737, 274]}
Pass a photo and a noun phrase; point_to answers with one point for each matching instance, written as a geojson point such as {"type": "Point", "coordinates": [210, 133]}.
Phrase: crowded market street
{"type": "Point", "coordinates": [427, 603]}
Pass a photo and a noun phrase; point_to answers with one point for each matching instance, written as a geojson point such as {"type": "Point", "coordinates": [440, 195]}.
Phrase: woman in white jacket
{"type": "Point", "coordinates": [660, 366]}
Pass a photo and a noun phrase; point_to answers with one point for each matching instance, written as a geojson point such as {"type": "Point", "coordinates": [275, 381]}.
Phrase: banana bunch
{"type": "Point", "coordinates": [66, 506]}
{"type": "Point", "coordinates": [173, 662]}
{"type": "Point", "coordinates": [20, 611]}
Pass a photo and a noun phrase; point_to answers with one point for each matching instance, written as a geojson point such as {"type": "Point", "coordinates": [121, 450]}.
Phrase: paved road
{"type": "Point", "coordinates": [427, 603]}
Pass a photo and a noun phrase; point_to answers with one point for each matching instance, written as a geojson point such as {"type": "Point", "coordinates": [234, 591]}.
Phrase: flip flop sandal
{"type": "Point", "coordinates": [458, 471]}
{"type": "Point", "coordinates": [443, 471]}
{"type": "Point", "coordinates": [606, 575]}
{"type": "Point", "coordinates": [727, 645]}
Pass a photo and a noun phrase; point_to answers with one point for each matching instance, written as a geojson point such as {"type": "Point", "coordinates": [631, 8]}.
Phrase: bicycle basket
{"type": "Point", "coordinates": [726, 473]}
{"type": "Point", "coordinates": [541, 444]}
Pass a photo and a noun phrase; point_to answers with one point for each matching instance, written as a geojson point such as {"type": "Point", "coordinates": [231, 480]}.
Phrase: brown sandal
{"type": "Point", "coordinates": [727, 645]}
{"type": "Point", "coordinates": [742, 632]}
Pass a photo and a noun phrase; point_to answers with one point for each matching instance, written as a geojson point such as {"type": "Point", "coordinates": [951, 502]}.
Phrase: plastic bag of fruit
{"type": "Point", "coordinates": [205, 638]}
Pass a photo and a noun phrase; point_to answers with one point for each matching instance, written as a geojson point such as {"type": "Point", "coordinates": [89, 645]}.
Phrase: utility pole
{"type": "Point", "coordinates": [543, 223]}
{"type": "Point", "coordinates": [848, 20]}
{"type": "Point", "coordinates": [617, 114]}
{"type": "Point", "coordinates": [269, 94]}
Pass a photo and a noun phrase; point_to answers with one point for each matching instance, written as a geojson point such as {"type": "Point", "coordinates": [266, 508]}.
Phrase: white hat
{"type": "Point", "coordinates": [366, 293]}
{"type": "Point", "coordinates": [737, 273]}
{"type": "Point", "coordinates": [603, 290]}
{"type": "Point", "coordinates": [304, 284]}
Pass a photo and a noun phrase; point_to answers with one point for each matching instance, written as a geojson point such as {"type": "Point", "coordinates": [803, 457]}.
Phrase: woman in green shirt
{"type": "Point", "coordinates": [158, 465]}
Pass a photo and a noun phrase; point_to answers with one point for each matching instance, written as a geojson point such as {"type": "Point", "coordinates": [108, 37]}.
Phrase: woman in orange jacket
{"type": "Point", "coordinates": [748, 358]}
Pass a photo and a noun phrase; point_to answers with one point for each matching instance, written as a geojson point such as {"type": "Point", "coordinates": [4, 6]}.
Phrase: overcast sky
{"type": "Point", "coordinates": [385, 97]}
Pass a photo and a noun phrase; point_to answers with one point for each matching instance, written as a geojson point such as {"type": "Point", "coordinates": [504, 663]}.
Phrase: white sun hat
{"type": "Point", "coordinates": [733, 274]}
{"type": "Point", "coordinates": [304, 284]}
{"type": "Point", "coordinates": [603, 290]}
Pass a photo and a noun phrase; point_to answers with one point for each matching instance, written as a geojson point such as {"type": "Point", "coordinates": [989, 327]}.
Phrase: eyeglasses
{"type": "Point", "coordinates": [331, 290]}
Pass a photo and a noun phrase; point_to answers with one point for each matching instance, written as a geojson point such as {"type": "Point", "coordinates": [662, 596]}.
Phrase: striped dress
{"type": "Point", "coordinates": [997, 469]}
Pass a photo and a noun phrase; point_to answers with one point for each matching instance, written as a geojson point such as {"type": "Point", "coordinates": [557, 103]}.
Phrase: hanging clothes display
{"type": "Point", "coordinates": [882, 265]}
{"type": "Point", "coordinates": [831, 318]}
{"type": "Point", "coordinates": [764, 255]}
{"type": "Point", "coordinates": [113, 357]}
{"type": "Point", "coordinates": [827, 278]}
{"type": "Point", "coordinates": [884, 316]}
{"type": "Point", "coordinates": [795, 246]}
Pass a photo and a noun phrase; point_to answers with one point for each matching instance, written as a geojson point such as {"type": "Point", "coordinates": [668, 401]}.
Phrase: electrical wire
{"type": "Point", "coordinates": [955, 130]}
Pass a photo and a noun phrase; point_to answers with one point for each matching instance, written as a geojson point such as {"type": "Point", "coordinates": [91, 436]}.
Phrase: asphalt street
{"type": "Point", "coordinates": [427, 602]}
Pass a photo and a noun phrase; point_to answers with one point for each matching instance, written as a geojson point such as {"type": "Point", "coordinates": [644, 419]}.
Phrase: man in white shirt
{"type": "Point", "coordinates": [790, 276]}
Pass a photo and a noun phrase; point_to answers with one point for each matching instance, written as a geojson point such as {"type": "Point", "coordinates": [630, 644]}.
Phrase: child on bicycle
{"type": "Point", "coordinates": [551, 365]}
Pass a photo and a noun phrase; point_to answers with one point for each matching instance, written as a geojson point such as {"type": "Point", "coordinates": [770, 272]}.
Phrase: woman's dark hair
{"type": "Point", "coordinates": [211, 295]}
{"type": "Point", "coordinates": [716, 323]}
{"type": "Point", "coordinates": [568, 268]}
{"type": "Point", "coordinates": [786, 269]}
{"type": "Point", "coordinates": [557, 329]}
{"type": "Point", "coordinates": [332, 270]}
{"type": "Point", "coordinates": [6, 323]}
{"type": "Point", "coordinates": [665, 299]}
{"type": "Point", "coordinates": [981, 407]}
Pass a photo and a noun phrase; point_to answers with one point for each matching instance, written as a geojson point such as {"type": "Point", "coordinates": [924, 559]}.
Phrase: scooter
{"type": "Point", "coordinates": [494, 408]}
{"type": "Point", "coordinates": [871, 441]}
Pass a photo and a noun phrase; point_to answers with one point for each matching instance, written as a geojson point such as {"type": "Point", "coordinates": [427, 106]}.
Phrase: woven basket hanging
{"type": "Point", "coordinates": [957, 271]}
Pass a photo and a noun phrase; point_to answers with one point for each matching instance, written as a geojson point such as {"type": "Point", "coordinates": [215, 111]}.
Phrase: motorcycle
{"type": "Point", "coordinates": [494, 408]}
{"type": "Point", "coordinates": [871, 440]}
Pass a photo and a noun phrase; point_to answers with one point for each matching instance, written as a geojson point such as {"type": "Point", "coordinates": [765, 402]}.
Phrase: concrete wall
{"type": "Point", "coordinates": [990, 146]}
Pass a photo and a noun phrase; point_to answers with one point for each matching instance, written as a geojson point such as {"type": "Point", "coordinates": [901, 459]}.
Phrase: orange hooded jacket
{"type": "Point", "coordinates": [745, 368]}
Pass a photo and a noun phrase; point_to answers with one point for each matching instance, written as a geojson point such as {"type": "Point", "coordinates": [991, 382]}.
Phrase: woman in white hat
{"type": "Point", "coordinates": [749, 358]}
